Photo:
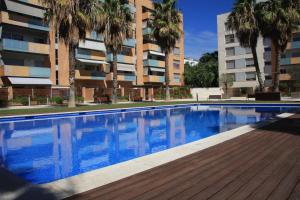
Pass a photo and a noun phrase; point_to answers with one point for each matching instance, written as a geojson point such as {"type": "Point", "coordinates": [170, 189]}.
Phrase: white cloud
{"type": "Point", "coordinates": [198, 43]}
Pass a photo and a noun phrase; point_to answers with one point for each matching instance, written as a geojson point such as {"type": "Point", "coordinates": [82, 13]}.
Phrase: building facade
{"type": "Point", "coordinates": [35, 62]}
{"type": "Point", "coordinates": [237, 62]}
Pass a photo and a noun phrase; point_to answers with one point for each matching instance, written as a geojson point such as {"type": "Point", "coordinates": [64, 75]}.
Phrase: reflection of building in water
{"type": "Point", "coordinates": [201, 122]}
{"type": "Point", "coordinates": [232, 117]}
{"type": "Point", "coordinates": [46, 150]}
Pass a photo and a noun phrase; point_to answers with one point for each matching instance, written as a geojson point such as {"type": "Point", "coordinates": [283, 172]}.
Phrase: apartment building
{"type": "Point", "coordinates": [237, 62]}
{"type": "Point", "coordinates": [34, 62]}
{"type": "Point", "coordinates": [290, 64]}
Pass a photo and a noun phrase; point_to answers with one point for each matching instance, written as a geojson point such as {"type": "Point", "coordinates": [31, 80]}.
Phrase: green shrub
{"type": "Point", "coordinates": [21, 100]}
{"type": "Point", "coordinates": [41, 100]}
{"type": "Point", "coordinates": [123, 98]}
{"type": "Point", "coordinates": [79, 99]}
{"type": "Point", "coordinates": [3, 103]}
{"type": "Point", "coordinates": [57, 100]}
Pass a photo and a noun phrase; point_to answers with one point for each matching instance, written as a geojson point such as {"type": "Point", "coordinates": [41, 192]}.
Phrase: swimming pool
{"type": "Point", "coordinates": [46, 148]}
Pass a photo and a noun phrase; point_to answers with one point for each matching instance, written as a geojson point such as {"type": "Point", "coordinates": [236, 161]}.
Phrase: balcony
{"type": "Point", "coordinates": [147, 15]}
{"type": "Point", "coordinates": [290, 61]}
{"type": "Point", "coordinates": [26, 71]}
{"type": "Point", "coordinates": [23, 22]}
{"type": "Point", "coordinates": [154, 79]}
{"type": "Point", "coordinates": [94, 36]}
{"type": "Point", "coordinates": [121, 59]}
{"type": "Point", "coordinates": [154, 63]}
{"type": "Point", "coordinates": [25, 9]}
{"type": "Point", "coordinates": [33, 2]}
{"type": "Point", "coordinates": [24, 46]}
{"type": "Point", "coordinates": [293, 45]}
{"type": "Point", "coordinates": [130, 43]}
{"type": "Point", "coordinates": [285, 77]}
{"type": "Point", "coordinates": [151, 47]}
{"type": "Point", "coordinates": [130, 78]}
{"type": "Point", "coordinates": [92, 45]}
{"type": "Point", "coordinates": [89, 75]}
{"type": "Point", "coordinates": [90, 54]}
{"type": "Point", "coordinates": [147, 31]}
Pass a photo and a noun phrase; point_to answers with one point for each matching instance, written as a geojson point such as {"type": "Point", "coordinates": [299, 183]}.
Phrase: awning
{"type": "Point", "coordinates": [156, 53]}
{"type": "Point", "coordinates": [95, 62]}
{"type": "Point", "coordinates": [155, 69]}
{"type": "Point", "coordinates": [29, 81]}
{"type": "Point", "coordinates": [126, 67]}
{"type": "Point", "coordinates": [24, 9]}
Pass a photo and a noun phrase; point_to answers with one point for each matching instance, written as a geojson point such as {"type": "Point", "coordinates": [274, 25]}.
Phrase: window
{"type": "Point", "coordinates": [296, 37]}
{"type": "Point", "coordinates": [56, 57]}
{"type": "Point", "coordinates": [268, 49]}
{"type": "Point", "coordinates": [268, 77]}
{"type": "Point", "coordinates": [176, 64]}
{"type": "Point", "coordinates": [230, 64]}
{"type": "Point", "coordinates": [248, 50]}
{"type": "Point", "coordinates": [296, 54]}
{"type": "Point", "coordinates": [268, 63]}
{"type": "Point", "coordinates": [283, 71]}
{"type": "Point", "coordinates": [229, 38]}
{"type": "Point", "coordinates": [230, 51]}
{"type": "Point", "coordinates": [249, 62]}
{"type": "Point", "coordinates": [176, 51]}
{"type": "Point", "coordinates": [176, 77]}
{"type": "Point", "coordinates": [56, 78]}
{"type": "Point", "coordinates": [267, 42]}
{"type": "Point", "coordinates": [227, 27]}
{"type": "Point", "coordinates": [251, 76]}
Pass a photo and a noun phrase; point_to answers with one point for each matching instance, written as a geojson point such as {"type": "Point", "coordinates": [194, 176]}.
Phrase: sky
{"type": "Point", "coordinates": [200, 24]}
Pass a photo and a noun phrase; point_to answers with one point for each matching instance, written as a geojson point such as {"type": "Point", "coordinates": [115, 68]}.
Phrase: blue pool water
{"type": "Point", "coordinates": [46, 149]}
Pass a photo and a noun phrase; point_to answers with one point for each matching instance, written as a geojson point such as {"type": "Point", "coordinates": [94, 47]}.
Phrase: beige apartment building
{"type": "Point", "coordinates": [35, 63]}
{"type": "Point", "coordinates": [237, 62]}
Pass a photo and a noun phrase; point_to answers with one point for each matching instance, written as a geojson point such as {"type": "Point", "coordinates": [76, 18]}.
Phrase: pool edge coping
{"type": "Point", "coordinates": [68, 187]}
{"type": "Point", "coordinates": [4, 118]}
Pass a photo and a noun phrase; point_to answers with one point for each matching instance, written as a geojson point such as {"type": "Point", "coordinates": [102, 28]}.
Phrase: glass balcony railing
{"type": "Point", "coordinates": [24, 46]}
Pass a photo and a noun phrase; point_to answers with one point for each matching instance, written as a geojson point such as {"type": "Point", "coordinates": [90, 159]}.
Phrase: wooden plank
{"type": "Point", "coordinates": [237, 178]}
{"type": "Point", "coordinates": [295, 195]}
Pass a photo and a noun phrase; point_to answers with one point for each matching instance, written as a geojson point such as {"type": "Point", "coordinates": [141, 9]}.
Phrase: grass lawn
{"type": "Point", "coordinates": [58, 109]}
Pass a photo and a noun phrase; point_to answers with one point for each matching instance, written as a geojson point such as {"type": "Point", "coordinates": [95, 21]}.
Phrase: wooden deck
{"type": "Point", "coordinates": [264, 164]}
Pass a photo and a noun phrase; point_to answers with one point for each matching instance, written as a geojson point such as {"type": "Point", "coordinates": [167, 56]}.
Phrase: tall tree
{"type": "Point", "coordinates": [72, 19]}
{"type": "Point", "coordinates": [243, 21]}
{"type": "Point", "coordinates": [165, 25]}
{"type": "Point", "coordinates": [116, 26]}
{"type": "Point", "coordinates": [205, 73]}
{"type": "Point", "coordinates": [277, 19]}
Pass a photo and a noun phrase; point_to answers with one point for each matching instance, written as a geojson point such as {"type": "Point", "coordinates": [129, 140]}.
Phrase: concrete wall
{"type": "Point", "coordinates": [204, 93]}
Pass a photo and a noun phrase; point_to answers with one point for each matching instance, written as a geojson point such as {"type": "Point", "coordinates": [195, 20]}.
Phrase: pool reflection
{"type": "Point", "coordinates": [42, 151]}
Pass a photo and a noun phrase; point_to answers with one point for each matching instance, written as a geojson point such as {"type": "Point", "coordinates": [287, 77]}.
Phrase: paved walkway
{"type": "Point", "coordinates": [263, 164]}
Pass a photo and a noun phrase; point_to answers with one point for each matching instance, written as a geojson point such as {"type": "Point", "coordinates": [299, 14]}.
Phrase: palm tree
{"type": "Point", "coordinates": [165, 25]}
{"type": "Point", "coordinates": [277, 19]}
{"type": "Point", "coordinates": [116, 26]}
{"type": "Point", "coordinates": [243, 21]}
{"type": "Point", "coordinates": [72, 19]}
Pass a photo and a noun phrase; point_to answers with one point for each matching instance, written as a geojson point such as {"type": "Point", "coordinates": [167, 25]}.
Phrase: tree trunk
{"type": "Point", "coordinates": [167, 76]}
{"type": "Point", "coordinates": [115, 79]}
{"type": "Point", "coordinates": [276, 68]}
{"type": "Point", "coordinates": [258, 72]}
{"type": "Point", "coordinates": [72, 63]}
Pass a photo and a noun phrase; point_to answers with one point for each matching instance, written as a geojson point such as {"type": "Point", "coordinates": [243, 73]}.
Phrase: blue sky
{"type": "Point", "coordinates": [200, 24]}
